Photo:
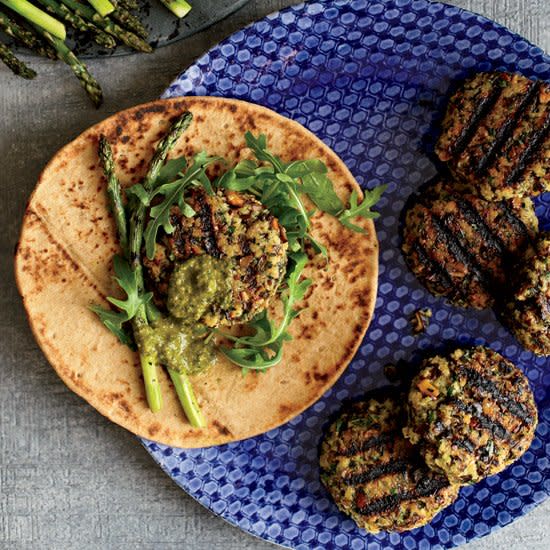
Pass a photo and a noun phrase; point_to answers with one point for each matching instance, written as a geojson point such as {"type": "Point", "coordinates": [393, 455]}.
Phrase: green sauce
{"type": "Point", "coordinates": [196, 286]}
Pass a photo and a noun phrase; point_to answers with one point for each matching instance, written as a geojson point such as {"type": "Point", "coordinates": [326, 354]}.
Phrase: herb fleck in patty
{"type": "Point", "coordinates": [472, 413]}
{"type": "Point", "coordinates": [374, 474]}
{"type": "Point", "coordinates": [234, 227]}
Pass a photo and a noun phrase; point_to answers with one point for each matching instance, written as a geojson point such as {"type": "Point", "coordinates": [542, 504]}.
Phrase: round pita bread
{"type": "Point", "coordinates": [64, 264]}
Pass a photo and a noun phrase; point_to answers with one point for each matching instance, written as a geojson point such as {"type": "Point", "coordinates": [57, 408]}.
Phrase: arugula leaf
{"type": "Point", "coordinates": [138, 192]}
{"type": "Point", "coordinates": [263, 349]}
{"type": "Point", "coordinates": [126, 278]}
{"type": "Point", "coordinates": [174, 194]}
{"type": "Point", "coordinates": [361, 209]}
{"type": "Point", "coordinates": [318, 187]}
{"type": "Point", "coordinates": [114, 321]}
{"type": "Point", "coordinates": [245, 176]}
{"type": "Point", "coordinates": [301, 168]}
{"type": "Point", "coordinates": [170, 170]}
{"type": "Point", "coordinates": [259, 147]}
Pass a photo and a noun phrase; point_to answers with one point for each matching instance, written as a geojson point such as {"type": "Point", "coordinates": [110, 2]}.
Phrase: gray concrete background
{"type": "Point", "coordinates": [69, 479]}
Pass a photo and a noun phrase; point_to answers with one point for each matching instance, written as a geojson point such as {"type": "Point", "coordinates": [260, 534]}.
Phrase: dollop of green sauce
{"type": "Point", "coordinates": [179, 340]}
{"type": "Point", "coordinates": [196, 285]}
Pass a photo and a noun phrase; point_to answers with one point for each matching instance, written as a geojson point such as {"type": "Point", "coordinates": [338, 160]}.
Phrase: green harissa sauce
{"type": "Point", "coordinates": [196, 286]}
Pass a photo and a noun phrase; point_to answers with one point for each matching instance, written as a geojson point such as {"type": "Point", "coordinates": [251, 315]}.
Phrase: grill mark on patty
{"type": "Point", "coordinates": [427, 486]}
{"type": "Point", "coordinates": [434, 267]}
{"type": "Point", "coordinates": [356, 447]}
{"type": "Point", "coordinates": [477, 222]}
{"type": "Point", "coordinates": [376, 472]}
{"type": "Point", "coordinates": [536, 140]}
{"type": "Point", "coordinates": [207, 225]}
{"type": "Point", "coordinates": [506, 129]}
{"type": "Point", "coordinates": [481, 383]}
{"type": "Point", "coordinates": [483, 246]}
{"type": "Point", "coordinates": [485, 422]}
{"type": "Point", "coordinates": [453, 244]}
{"type": "Point", "coordinates": [481, 110]}
{"type": "Point", "coordinates": [455, 248]}
{"type": "Point", "coordinates": [515, 221]}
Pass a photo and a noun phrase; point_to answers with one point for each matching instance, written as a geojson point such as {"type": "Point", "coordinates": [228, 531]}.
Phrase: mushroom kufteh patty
{"type": "Point", "coordinates": [472, 413]}
{"type": "Point", "coordinates": [374, 474]}
{"type": "Point", "coordinates": [496, 135]}
{"type": "Point", "coordinates": [461, 246]}
{"type": "Point", "coordinates": [528, 311]}
{"type": "Point", "coordinates": [231, 226]}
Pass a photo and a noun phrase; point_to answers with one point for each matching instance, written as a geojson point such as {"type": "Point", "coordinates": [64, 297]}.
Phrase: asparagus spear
{"type": "Point", "coordinates": [38, 17]}
{"type": "Point", "coordinates": [137, 219]}
{"type": "Point", "coordinates": [187, 398]}
{"type": "Point", "coordinates": [138, 216]}
{"type": "Point", "coordinates": [180, 8]}
{"type": "Point", "coordinates": [128, 4]}
{"type": "Point", "coordinates": [74, 20]}
{"type": "Point", "coordinates": [16, 65]}
{"type": "Point", "coordinates": [148, 357]}
{"type": "Point", "coordinates": [132, 252]}
{"type": "Point", "coordinates": [108, 26]}
{"type": "Point", "coordinates": [80, 70]}
{"type": "Point", "coordinates": [114, 192]}
{"type": "Point", "coordinates": [129, 21]}
{"type": "Point", "coordinates": [26, 37]}
{"type": "Point", "coordinates": [103, 7]}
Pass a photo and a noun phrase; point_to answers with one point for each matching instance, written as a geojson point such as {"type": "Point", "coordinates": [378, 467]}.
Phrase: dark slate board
{"type": "Point", "coordinates": [164, 28]}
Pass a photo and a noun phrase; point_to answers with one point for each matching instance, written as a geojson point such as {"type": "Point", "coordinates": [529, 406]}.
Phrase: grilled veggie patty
{"type": "Point", "coordinates": [234, 227]}
{"type": "Point", "coordinates": [461, 246]}
{"type": "Point", "coordinates": [374, 474]}
{"type": "Point", "coordinates": [496, 135]}
{"type": "Point", "coordinates": [528, 312]}
{"type": "Point", "coordinates": [472, 413]}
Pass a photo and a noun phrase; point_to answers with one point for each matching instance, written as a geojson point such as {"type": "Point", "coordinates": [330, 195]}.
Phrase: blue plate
{"type": "Point", "coordinates": [370, 78]}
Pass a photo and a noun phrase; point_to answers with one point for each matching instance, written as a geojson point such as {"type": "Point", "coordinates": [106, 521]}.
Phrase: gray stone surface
{"type": "Point", "coordinates": [69, 479]}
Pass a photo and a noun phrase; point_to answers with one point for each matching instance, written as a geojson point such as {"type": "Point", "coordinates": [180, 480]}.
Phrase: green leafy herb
{"type": "Point", "coordinates": [263, 349]}
{"type": "Point", "coordinates": [361, 209]}
{"type": "Point", "coordinates": [173, 194]}
{"type": "Point", "coordinates": [280, 186]}
{"type": "Point", "coordinates": [170, 170]}
{"type": "Point", "coordinates": [127, 309]}
{"type": "Point", "coordinates": [318, 187]}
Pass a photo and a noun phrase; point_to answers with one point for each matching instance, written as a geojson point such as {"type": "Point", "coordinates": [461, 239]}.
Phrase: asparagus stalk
{"type": "Point", "coordinates": [80, 70]}
{"type": "Point", "coordinates": [114, 193]}
{"type": "Point", "coordinates": [129, 21]}
{"type": "Point", "coordinates": [38, 17]}
{"type": "Point", "coordinates": [128, 4]}
{"type": "Point", "coordinates": [138, 216]}
{"type": "Point", "coordinates": [187, 398]}
{"type": "Point", "coordinates": [148, 357]}
{"type": "Point", "coordinates": [137, 219]}
{"type": "Point", "coordinates": [16, 65]}
{"type": "Point", "coordinates": [108, 26]}
{"type": "Point", "coordinates": [180, 8]}
{"type": "Point", "coordinates": [26, 37]}
{"type": "Point", "coordinates": [131, 248]}
{"type": "Point", "coordinates": [103, 7]}
{"type": "Point", "coordinates": [74, 20]}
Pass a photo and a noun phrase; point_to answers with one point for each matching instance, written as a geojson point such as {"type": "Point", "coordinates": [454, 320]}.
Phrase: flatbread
{"type": "Point", "coordinates": [64, 263]}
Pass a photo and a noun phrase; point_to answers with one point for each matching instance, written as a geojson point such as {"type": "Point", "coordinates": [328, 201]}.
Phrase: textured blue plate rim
{"type": "Point", "coordinates": [145, 443]}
